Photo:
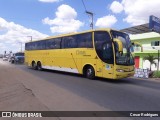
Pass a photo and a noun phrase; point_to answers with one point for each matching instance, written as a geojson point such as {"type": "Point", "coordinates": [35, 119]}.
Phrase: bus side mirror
{"type": "Point", "coordinates": [119, 45]}
{"type": "Point", "coordinates": [138, 44]}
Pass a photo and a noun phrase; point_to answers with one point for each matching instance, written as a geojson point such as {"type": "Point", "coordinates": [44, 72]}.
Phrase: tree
{"type": "Point", "coordinates": [151, 59]}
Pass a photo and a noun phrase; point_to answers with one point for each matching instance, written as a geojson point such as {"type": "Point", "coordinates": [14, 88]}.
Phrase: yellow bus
{"type": "Point", "coordinates": [103, 53]}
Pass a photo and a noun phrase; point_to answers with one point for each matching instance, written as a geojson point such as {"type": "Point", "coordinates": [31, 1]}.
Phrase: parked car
{"type": "Point", "coordinates": [11, 58]}
{"type": "Point", "coordinates": [1, 55]}
{"type": "Point", "coordinates": [17, 58]}
{"type": "Point", "coordinates": [5, 57]}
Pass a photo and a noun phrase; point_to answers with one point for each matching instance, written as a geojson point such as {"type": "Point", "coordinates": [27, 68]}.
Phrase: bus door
{"type": "Point", "coordinates": [107, 54]}
{"type": "Point", "coordinates": [99, 67]}
{"type": "Point", "coordinates": [104, 50]}
{"type": "Point", "coordinates": [108, 70]}
{"type": "Point", "coordinates": [104, 69]}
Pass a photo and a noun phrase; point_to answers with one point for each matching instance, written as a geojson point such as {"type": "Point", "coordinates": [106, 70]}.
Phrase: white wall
{"type": "Point", "coordinates": [146, 65]}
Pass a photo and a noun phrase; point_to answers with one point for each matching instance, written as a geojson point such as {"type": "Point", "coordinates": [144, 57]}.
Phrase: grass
{"type": "Point", "coordinates": [156, 74]}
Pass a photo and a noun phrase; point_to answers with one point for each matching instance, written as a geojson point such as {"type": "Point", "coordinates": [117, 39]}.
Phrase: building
{"type": "Point", "coordinates": [145, 37]}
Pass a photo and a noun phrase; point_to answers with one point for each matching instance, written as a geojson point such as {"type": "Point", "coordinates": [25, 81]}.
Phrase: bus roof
{"type": "Point", "coordinates": [74, 33]}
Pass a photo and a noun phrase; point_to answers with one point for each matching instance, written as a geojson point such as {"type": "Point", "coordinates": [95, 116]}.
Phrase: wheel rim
{"type": "Point", "coordinates": [34, 65]}
{"type": "Point", "coordinates": [39, 66]}
{"type": "Point", "coordinates": [89, 72]}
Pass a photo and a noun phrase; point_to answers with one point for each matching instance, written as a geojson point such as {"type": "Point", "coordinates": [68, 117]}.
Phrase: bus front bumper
{"type": "Point", "coordinates": [120, 75]}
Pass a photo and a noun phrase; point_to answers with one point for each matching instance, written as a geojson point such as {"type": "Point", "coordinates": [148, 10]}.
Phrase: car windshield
{"type": "Point", "coordinates": [19, 54]}
{"type": "Point", "coordinates": [125, 57]}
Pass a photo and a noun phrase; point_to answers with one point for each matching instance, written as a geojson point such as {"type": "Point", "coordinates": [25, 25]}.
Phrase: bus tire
{"type": "Point", "coordinates": [39, 66]}
{"type": "Point", "coordinates": [34, 66]}
{"type": "Point", "coordinates": [90, 72]}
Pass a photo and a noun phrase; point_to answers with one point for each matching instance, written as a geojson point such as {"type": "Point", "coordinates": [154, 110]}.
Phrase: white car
{"type": "Point", "coordinates": [5, 58]}
{"type": "Point", "coordinates": [1, 55]}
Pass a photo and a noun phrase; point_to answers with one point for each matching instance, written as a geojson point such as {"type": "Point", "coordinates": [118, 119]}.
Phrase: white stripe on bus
{"type": "Point", "coordinates": [61, 69]}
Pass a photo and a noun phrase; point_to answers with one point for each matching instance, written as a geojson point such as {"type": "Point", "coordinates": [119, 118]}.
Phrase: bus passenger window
{"type": "Point", "coordinates": [54, 43]}
{"type": "Point", "coordinates": [70, 42]}
{"type": "Point", "coordinates": [85, 40]}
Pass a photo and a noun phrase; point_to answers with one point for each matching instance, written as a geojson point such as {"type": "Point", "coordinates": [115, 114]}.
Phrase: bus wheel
{"type": "Point", "coordinates": [34, 66]}
{"type": "Point", "coordinates": [39, 66]}
{"type": "Point", "coordinates": [90, 73]}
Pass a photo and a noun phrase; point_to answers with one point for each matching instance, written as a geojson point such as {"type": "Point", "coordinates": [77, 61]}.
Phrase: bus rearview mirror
{"type": "Point", "coordinates": [119, 45]}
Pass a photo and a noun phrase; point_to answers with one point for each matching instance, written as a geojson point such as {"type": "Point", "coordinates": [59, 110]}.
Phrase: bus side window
{"type": "Point", "coordinates": [70, 42]}
{"type": "Point", "coordinates": [33, 46]}
{"type": "Point", "coordinates": [57, 43]}
{"type": "Point", "coordinates": [27, 46]}
{"type": "Point", "coordinates": [85, 40]}
{"type": "Point", "coordinates": [54, 43]}
{"type": "Point", "coordinates": [49, 44]}
{"type": "Point", "coordinates": [40, 45]}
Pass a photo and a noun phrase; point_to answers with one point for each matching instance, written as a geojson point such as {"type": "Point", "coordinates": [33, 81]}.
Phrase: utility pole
{"type": "Point", "coordinates": [90, 14]}
{"type": "Point", "coordinates": [30, 37]}
{"type": "Point", "coordinates": [158, 61]}
{"type": "Point", "coordinates": [21, 46]}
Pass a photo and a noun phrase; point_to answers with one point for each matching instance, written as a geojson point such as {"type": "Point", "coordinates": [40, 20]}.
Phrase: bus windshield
{"type": "Point", "coordinates": [124, 58]}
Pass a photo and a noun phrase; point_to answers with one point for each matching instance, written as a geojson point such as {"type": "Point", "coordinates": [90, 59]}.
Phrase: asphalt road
{"type": "Point", "coordinates": [64, 91]}
{"type": "Point", "coordinates": [121, 95]}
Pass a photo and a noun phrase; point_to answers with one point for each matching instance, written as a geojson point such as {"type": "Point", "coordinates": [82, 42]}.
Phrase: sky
{"type": "Point", "coordinates": [21, 19]}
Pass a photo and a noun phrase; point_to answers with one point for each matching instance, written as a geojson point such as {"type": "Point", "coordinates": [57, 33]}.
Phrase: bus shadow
{"type": "Point", "coordinates": [63, 73]}
{"type": "Point", "coordinates": [115, 81]}
{"type": "Point", "coordinates": [98, 79]}
{"type": "Point", "coordinates": [124, 81]}
{"type": "Point", "coordinates": [120, 81]}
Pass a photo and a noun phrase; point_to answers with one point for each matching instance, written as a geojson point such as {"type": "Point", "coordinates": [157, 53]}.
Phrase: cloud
{"type": "Point", "coordinates": [65, 20]}
{"type": "Point", "coordinates": [49, 1]}
{"type": "Point", "coordinates": [11, 33]}
{"type": "Point", "coordinates": [116, 7]}
{"type": "Point", "coordinates": [106, 21]}
{"type": "Point", "coordinates": [138, 11]}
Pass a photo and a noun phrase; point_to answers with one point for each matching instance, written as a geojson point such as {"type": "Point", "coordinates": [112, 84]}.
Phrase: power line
{"type": "Point", "coordinates": [90, 14]}
{"type": "Point", "coordinates": [84, 5]}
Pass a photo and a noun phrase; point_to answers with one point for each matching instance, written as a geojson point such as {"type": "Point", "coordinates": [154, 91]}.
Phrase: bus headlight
{"type": "Point", "coordinates": [120, 70]}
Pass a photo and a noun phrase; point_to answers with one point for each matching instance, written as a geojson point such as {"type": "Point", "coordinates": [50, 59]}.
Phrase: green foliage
{"type": "Point", "coordinates": [156, 74]}
{"type": "Point", "coordinates": [151, 59]}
